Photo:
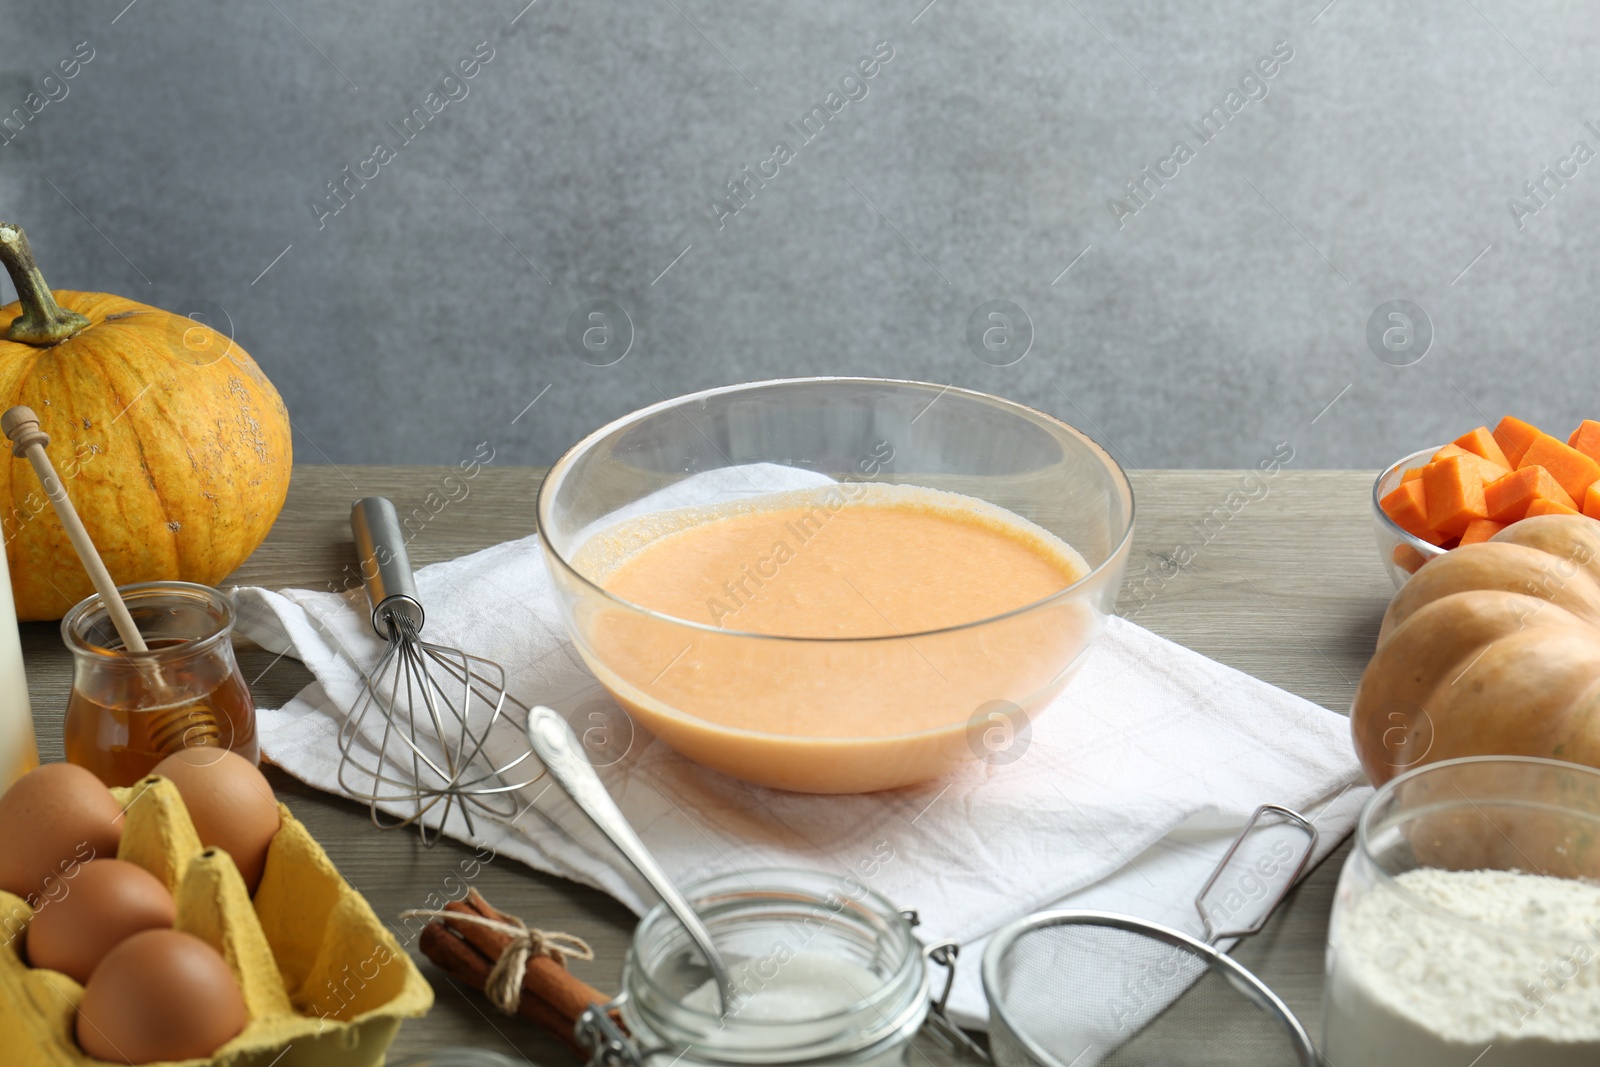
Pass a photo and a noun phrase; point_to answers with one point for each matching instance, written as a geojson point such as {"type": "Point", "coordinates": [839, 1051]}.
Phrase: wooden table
{"type": "Point", "coordinates": [1285, 586]}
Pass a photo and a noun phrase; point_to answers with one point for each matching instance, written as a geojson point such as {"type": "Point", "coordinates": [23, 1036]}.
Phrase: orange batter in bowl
{"type": "Point", "coordinates": [846, 636]}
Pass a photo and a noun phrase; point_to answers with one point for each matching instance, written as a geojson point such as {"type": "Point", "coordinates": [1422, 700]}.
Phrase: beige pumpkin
{"type": "Point", "coordinates": [170, 441]}
{"type": "Point", "coordinates": [1490, 649]}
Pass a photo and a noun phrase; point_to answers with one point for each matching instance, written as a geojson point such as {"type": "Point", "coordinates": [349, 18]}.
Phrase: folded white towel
{"type": "Point", "coordinates": [1136, 778]}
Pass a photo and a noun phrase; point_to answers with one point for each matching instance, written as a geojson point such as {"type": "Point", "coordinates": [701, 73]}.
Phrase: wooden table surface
{"type": "Point", "coordinates": [1284, 585]}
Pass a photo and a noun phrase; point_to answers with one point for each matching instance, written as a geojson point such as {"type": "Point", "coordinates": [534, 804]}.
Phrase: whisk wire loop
{"type": "Point", "coordinates": [439, 707]}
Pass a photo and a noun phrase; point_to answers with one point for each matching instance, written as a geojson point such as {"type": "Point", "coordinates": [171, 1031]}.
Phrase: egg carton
{"type": "Point", "coordinates": [325, 983]}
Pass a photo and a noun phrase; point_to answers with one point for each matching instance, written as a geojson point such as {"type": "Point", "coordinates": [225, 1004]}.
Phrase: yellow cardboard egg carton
{"type": "Point", "coordinates": [325, 983]}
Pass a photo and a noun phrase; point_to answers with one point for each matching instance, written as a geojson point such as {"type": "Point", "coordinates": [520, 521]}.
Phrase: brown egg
{"type": "Point", "coordinates": [52, 821]}
{"type": "Point", "coordinates": [108, 902]}
{"type": "Point", "coordinates": [160, 995]}
{"type": "Point", "coordinates": [229, 801]}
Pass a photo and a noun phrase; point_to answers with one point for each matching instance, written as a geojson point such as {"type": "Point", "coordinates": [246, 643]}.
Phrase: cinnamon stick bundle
{"type": "Point", "coordinates": [551, 996]}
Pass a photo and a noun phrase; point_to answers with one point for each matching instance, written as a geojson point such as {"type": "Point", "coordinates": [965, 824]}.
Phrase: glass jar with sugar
{"type": "Point", "coordinates": [823, 971]}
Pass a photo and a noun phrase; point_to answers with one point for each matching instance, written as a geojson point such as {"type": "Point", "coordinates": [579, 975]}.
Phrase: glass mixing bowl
{"type": "Point", "coordinates": [837, 715]}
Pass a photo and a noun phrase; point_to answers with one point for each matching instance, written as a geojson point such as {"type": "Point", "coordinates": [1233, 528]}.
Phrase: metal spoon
{"type": "Point", "coordinates": [556, 745]}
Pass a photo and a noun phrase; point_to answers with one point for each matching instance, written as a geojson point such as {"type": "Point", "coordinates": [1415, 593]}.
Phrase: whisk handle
{"type": "Point", "coordinates": [385, 565]}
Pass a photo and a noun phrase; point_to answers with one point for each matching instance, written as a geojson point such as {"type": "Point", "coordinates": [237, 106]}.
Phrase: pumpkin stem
{"type": "Point", "coordinates": [43, 321]}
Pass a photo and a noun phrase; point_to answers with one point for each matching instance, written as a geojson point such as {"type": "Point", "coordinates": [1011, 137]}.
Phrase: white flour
{"type": "Point", "coordinates": [1414, 987]}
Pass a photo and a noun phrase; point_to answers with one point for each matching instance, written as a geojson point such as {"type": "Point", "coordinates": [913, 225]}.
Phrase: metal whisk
{"type": "Point", "coordinates": [437, 705]}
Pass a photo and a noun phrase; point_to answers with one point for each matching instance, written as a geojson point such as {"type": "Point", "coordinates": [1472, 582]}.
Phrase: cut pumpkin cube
{"type": "Point", "coordinates": [1481, 443]}
{"type": "Point", "coordinates": [1407, 505]}
{"type": "Point", "coordinates": [1447, 451]}
{"type": "Point", "coordinates": [1514, 436]}
{"type": "Point", "coordinates": [1586, 439]}
{"type": "Point", "coordinates": [1488, 470]}
{"type": "Point", "coordinates": [1591, 501]}
{"type": "Point", "coordinates": [1480, 530]}
{"type": "Point", "coordinates": [1453, 494]}
{"type": "Point", "coordinates": [1508, 496]}
{"type": "Point", "coordinates": [1574, 470]}
{"type": "Point", "coordinates": [1544, 506]}
{"type": "Point", "coordinates": [1407, 558]}
{"type": "Point", "coordinates": [1411, 474]}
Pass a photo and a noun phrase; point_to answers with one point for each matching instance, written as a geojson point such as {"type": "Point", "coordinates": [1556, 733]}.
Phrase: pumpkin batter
{"type": "Point", "coordinates": [831, 626]}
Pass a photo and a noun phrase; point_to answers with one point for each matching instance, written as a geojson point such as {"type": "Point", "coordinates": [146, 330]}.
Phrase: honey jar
{"type": "Point", "coordinates": [129, 710]}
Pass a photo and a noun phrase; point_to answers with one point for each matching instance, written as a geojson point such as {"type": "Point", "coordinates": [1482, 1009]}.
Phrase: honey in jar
{"type": "Point", "coordinates": [130, 710]}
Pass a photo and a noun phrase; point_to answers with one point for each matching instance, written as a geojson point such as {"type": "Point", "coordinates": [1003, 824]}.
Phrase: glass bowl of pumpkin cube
{"type": "Point", "coordinates": [1485, 480]}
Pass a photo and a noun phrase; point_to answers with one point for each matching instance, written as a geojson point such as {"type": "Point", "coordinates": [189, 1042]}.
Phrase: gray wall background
{"type": "Point", "coordinates": [1228, 313]}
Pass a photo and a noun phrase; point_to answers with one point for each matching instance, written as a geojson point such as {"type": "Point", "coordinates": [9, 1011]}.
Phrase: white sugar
{"type": "Point", "coordinates": [799, 988]}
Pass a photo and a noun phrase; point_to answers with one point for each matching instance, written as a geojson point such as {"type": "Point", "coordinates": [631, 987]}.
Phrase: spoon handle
{"type": "Point", "coordinates": [556, 745]}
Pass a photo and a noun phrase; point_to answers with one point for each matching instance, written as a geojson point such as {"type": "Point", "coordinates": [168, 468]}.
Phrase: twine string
{"type": "Point", "coordinates": [504, 984]}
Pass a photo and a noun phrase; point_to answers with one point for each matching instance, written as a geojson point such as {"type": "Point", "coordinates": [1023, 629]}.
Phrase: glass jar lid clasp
{"type": "Point", "coordinates": [943, 954]}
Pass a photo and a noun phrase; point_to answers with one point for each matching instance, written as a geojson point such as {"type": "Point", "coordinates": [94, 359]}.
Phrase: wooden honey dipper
{"type": "Point", "coordinates": [167, 731]}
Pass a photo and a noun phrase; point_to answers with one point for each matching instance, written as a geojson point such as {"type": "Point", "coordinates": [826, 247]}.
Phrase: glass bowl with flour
{"type": "Point", "coordinates": [1466, 929]}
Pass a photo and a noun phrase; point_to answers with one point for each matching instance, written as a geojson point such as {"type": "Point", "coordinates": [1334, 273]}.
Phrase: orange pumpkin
{"type": "Point", "coordinates": [169, 439]}
{"type": "Point", "coordinates": [1490, 649]}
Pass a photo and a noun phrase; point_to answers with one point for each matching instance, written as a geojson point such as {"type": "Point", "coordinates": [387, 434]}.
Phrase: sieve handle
{"type": "Point", "coordinates": [1294, 818]}
{"type": "Point", "coordinates": [385, 565]}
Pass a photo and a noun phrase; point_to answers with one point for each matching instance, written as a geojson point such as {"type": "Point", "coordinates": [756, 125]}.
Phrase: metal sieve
{"type": "Point", "coordinates": [1095, 989]}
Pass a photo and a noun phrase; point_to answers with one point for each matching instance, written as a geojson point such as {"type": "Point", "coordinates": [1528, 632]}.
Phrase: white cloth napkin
{"type": "Point", "coordinates": [1136, 779]}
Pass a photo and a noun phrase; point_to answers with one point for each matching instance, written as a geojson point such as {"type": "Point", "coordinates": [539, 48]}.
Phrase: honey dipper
{"type": "Point", "coordinates": [166, 730]}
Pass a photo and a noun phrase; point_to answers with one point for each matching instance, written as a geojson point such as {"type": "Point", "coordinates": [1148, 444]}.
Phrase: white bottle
{"type": "Point", "coordinates": [18, 752]}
